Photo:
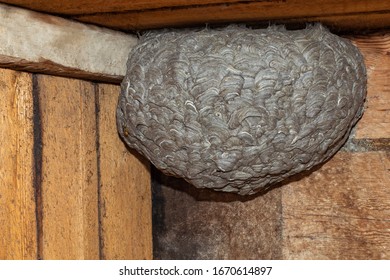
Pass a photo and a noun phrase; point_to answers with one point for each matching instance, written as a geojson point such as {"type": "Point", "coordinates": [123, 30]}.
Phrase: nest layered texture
{"type": "Point", "coordinates": [237, 109]}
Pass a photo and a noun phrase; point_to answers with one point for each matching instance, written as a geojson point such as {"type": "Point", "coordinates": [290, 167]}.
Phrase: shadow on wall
{"type": "Point", "coordinates": [191, 223]}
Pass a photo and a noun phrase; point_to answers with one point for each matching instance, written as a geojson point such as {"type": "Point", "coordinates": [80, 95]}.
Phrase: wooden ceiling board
{"type": "Point", "coordinates": [146, 14]}
{"type": "Point", "coordinates": [83, 7]}
{"type": "Point", "coordinates": [294, 10]}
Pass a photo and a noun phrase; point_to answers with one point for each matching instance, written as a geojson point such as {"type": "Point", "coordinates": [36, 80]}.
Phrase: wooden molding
{"type": "Point", "coordinates": [42, 43]}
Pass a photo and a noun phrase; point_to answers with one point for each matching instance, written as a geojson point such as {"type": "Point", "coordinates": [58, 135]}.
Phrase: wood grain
{"type": "Point", "coordinates": [46, 44]}
{"type": "Point", "coordinates": [341, 211]}
{"type": "Point", "coordinates": [344, 23]}
{"type": "Point", "coordinates": [262, 11]}
{"type": "Point", "coordinates": [74, 7]}
{"type": "Point", "coordinates": [54, 186]}
{"type": "Point", "coordinates": [69, 169]}
{"type": "Point", "coordinates": [140, 14]}
{"type": "Point", "coordinates": [125, 194]}
{"type": "Point", "coordinates": [17, 203]}
{"type": "Point", "coordinates": [375, 122]}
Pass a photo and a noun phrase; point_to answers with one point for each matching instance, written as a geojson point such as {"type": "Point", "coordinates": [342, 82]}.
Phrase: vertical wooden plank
{"type": "Point", "coordinates": [18, 231]}
{"type": "Point", "coordinates": [340, 211]}
{"type": "Point", "coordinates": [125, 192]}
{"type": "Point", "coordinates": [69, 169]}
{"type": "Point", "coordinates": [375, 122]}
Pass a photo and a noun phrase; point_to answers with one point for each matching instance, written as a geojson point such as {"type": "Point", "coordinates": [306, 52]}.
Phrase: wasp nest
{"type": "Point", "coordinates": [237, 109]}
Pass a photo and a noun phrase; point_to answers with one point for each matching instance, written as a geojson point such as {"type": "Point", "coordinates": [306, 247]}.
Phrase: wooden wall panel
{"type": "Point", "coordinates": [125, 198]}
{"type": "Point", "coordinates": [69, 169]}
{"type": "Point", "coordinates": [340, 211]}
{"type": "Point", "coordinates": [18, 229]}
{"type": "Point", "coordinates": [69, 189]}
{"type": "Point", "coordinates": [375, 122]}
{"type": "Point", "coordinates": [203, 224]}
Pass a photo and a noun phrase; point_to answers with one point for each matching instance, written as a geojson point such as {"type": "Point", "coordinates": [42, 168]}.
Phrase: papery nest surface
{"type": "Point", "coordinates": [238, 109]}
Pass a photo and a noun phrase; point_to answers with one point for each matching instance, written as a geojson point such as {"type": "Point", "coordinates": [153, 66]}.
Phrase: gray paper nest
{"type": "Point", "coordinates": [237, 109]}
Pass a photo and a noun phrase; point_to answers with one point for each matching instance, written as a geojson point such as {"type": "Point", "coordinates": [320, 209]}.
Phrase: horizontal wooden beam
{"type": "Point", "coordinates": [77, 7]}
{"type": "Point", "coordinates": [372, 14]}
{"type": "Point", "coordinates": [42, 43]}
{"type": "Point", "coordinates": [133, 15]}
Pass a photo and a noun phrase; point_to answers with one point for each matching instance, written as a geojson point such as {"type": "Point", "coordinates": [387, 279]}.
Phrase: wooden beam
{"type": "Point", "coordinates": [345, 23]}
{"type": "Point", "coordinates": [36, 42]}
{"type": "Point", "coordinates": [141, 14]}
{"type": "Point", "coordinates": [77, 7]}
{"type": "Point", "coordinates": [331, 12]}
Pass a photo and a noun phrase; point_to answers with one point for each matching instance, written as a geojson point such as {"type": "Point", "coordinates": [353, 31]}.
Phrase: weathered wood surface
{"type": "Point", "coordinates": [125, 193]}
{"type": "Point", "coordinates": [42, 43]}
{"type": "Point", "coordinates": [69, 174]}
{"type": "Point", "coordinates": [376, 119]}
{"type": "Point", "coordinates": [341, 211]}
{"type": "Point", "coordinates": [69, 189]}
{"type": "Point", "coordinates": [373, 14]}
{"type": "Point", "coordinates": [77, 7]}
{"type": "Point", "coordinates": [203, 224]}
{"type": "Point", "coordinates": [139, 14]}
{"type": "Point", "coordinates": [18, 228]}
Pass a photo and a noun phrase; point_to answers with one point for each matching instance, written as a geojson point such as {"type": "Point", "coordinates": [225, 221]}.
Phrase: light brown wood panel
{"type": "Point", "coordinates": [125, 193]}
{"type": "Point", "coordinates": [245, 12]}
{"type": "Point", "coordinates": [18, 229]}
{"type": "Point", "coordinates": [72, 7]}
{"type": "Point", "coordinates": [375, 122]}
{"type": "Point", "coordinates": [340, 211]}
{"type": "Point", "coordinates": [69, 195]}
